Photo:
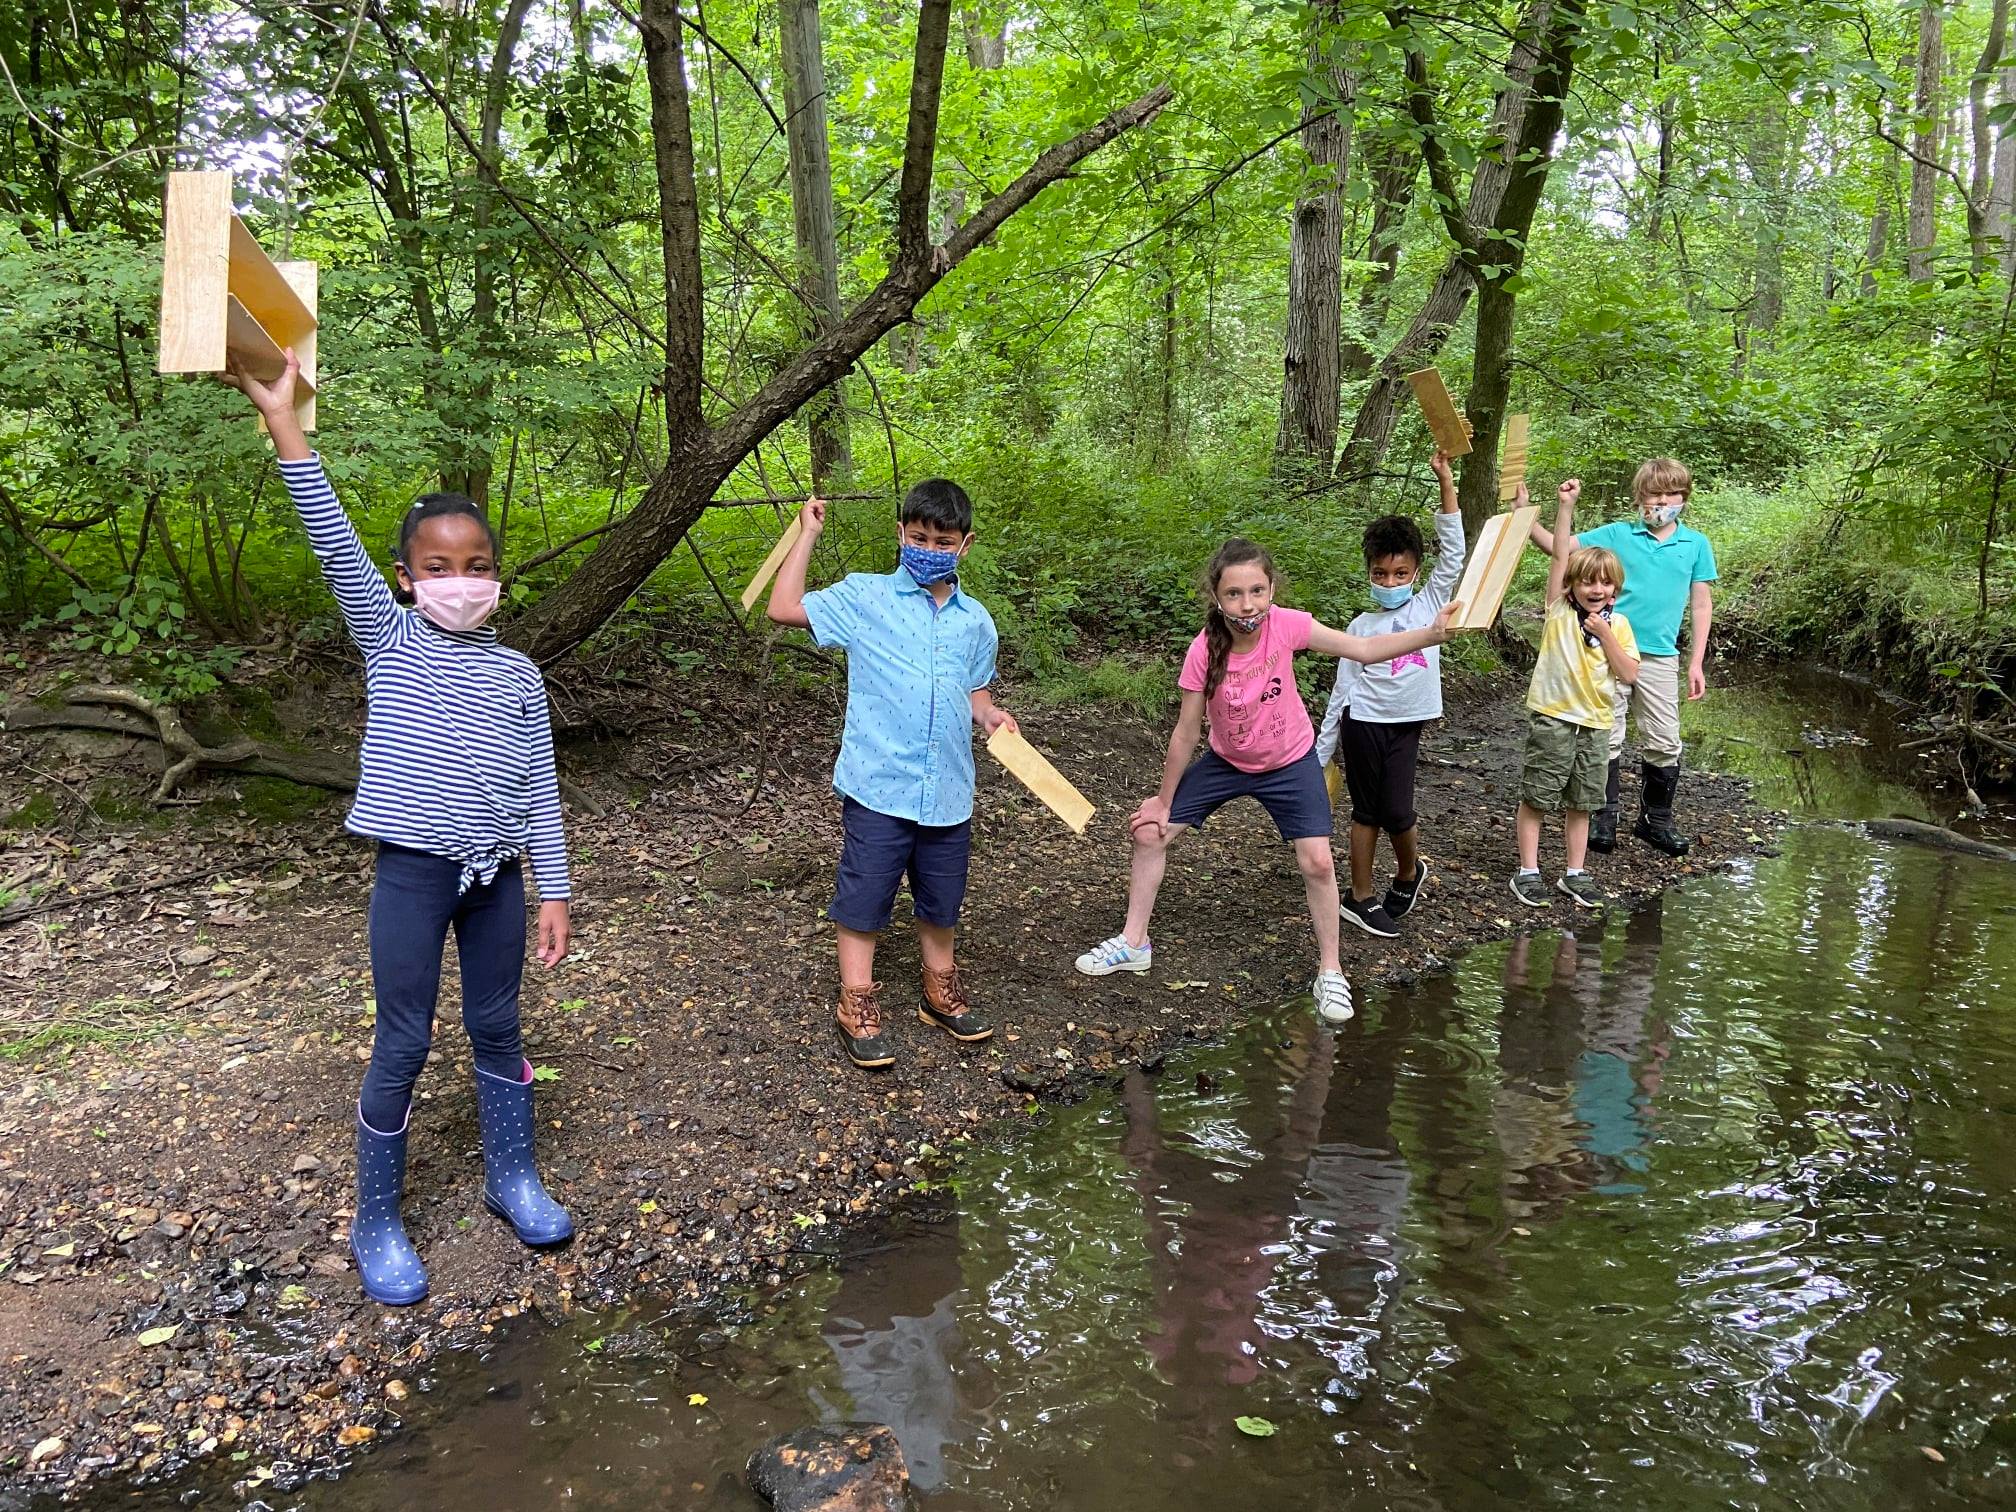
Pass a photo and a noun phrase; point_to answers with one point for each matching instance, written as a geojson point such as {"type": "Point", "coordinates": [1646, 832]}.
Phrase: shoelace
{"type": "Point", "coordinates": [867, 1011]}
{"type": "Point", "coordinates": [951, 991]}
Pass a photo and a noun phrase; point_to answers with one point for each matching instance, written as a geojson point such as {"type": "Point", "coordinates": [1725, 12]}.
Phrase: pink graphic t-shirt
{"type": "Point", "coordinates": [1258, 722]}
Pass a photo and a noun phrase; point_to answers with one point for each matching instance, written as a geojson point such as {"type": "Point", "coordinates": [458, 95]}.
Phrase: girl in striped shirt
{"type": "Point", "coordinates": [456, 784]}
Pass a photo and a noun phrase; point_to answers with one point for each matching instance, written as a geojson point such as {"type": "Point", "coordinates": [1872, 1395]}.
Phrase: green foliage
{"type": "Point", "coordinates": [145, 627]}
{"type": "Point", "coordinates": [1103, 373]}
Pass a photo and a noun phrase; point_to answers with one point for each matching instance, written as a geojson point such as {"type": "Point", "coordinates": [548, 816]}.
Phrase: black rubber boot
{"type": "Point", "coordinates": [1603, 823]}
{"type": "Point", "coordinates": [1655, 812]}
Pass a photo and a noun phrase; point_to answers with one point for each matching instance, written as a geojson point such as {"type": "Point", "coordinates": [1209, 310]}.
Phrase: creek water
{"type": "Point", "coordinates": [1704, 1205]}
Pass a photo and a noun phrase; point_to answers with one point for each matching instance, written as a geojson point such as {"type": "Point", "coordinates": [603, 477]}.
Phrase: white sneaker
{"type": "Point", "coordinates": [1333, 997]}
{"type": "Point", "coordinates": [1109, 956]}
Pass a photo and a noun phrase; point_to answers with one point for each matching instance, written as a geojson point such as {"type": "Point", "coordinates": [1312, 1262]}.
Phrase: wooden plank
{"type": "Point", "coordinates": [1512, 465]}
{"type": "Point", "coordinates": [770, 565]}
{"type": "Point", "coordinates": [195, 273]}
{"type": "Point", "coordinates": [1027, 765]}
{"type": "Point", "coordinates": [265, 291]}
{"type": "Point", "coordinates": [305, 282]}
{"type": "Point", "coordinates": [1492, 562]}
{"type": "Point", "coordinates": [1445, 422]}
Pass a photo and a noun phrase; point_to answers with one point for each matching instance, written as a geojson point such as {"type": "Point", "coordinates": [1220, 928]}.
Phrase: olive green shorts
{"type": "Point", "coordinates": [1567, 765]}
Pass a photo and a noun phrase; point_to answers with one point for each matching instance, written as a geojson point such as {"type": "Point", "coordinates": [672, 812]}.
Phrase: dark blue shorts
{"type": "Point", "coordinates": [879, 849]}
{"type": "Point", "coordinates": [1293, 794]}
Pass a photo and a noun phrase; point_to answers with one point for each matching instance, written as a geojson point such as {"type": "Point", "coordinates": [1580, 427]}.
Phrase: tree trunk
{"type": "Point", "coordinates": [1981, 221]}
{"type": "Point", "coordinates": [1922, 221]}
{"type": "Point", "coordinates": [1310, 378]}
{"type": "Point", "coordinates": [1766, 163]}
{"type": "Point", "coordinates": [701, 457]}
{"type": "Point", "coordinates": [1372, 428]}
{"type": "Point", "coordinates": [1393, 192]}
{"type": "Point", "coordinates": [1556, 28]}
{"type": "Point", "coordinates": [469, 471]}
{"type": "Point", "coordinates": [812, 221]}
{"type": "Point", "coordinates": [986, 38]}
{"type": "Point", "coordinates": [1879, 222]}
{"type": "Point", "coordinates": [2002, 182]}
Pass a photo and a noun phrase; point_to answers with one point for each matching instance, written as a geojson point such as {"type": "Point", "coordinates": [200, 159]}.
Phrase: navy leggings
{"type": "Point", "coordinates": [413, 903]}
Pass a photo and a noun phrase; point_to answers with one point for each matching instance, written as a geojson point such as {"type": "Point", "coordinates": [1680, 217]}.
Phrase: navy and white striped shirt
{"type": "Point", "coordinates": [457, 758]}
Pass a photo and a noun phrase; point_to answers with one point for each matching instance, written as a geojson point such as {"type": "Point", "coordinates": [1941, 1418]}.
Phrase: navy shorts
{"type": "Point", "coordinates": [879, 849]}
{"type": "Point", "coordinates": [1379, 763]}
{"type": "Point", "coordinates": [1293, 794]}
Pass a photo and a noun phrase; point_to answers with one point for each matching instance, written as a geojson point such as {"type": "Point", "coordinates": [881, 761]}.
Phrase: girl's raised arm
{"type": "Point", "coordinates": [360, 588]}
{"type": "Point", "coordinates": [1377, 648]}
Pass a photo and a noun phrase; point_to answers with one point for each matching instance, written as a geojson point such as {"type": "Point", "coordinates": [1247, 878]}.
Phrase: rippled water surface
{"type": "Point", "coordinates": [1703, 1206]}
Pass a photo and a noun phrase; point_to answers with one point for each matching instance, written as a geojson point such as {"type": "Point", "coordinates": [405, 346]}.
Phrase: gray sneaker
{"type": "Point", "coordinates": [1529, 889]}
{"type": "Point", "coordinates": [1583, 889]}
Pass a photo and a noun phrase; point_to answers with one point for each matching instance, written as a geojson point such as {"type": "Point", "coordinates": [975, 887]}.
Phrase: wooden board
{"type": "Point", "coordinates": [770, 565]}
{"type": "Point", "coordinates": [195, 273]}
{"type": "Point", "coordinates": [305, 282]}
{"type": "Point", "coordinates": [223, 298]}
{"type": "Point", "coordinates": [1445, 422]}
{"type": "Point", "coordinates": [1028, 766]}
{"type": "Point", "coordinates": [1493, 560]}
{"type": "Point", "coordinates": [1512, 462]}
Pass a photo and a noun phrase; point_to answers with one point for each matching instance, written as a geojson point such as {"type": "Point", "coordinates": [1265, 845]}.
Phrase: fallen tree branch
{"type": "Point", "coordinates": [127, 711]}
{"type": "Point", "coordinates": [15, 911]}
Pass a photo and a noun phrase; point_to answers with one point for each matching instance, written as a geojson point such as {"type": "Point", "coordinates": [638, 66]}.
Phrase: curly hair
{"type": "Point", "coordinates": [1393, 535]}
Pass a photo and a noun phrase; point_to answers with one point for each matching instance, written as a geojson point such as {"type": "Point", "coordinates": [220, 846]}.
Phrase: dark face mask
{"type": "Point", "coordinates": [1603, 614]}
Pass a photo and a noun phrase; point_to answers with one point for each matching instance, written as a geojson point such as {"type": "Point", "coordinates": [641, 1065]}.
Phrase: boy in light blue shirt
{"type": "Point", "coordinates": [920, 656]}
{"type": "Point", "coordinates": [1667, 570]}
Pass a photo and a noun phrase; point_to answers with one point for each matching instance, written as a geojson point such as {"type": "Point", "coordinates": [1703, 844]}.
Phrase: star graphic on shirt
{"type": "Point", "coordinates": [1411, 659]}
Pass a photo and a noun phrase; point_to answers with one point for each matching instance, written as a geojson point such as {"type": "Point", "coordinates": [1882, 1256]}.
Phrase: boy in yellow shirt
{"type": "Point", "coordinates": [1586, 649]}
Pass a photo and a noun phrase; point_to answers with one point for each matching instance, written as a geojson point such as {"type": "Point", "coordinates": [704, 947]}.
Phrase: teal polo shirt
{"type": "Point", "coordinates": [1659, 578]}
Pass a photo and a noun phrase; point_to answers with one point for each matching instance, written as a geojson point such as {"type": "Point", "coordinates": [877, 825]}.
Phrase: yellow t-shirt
{"type": "Point", "coordinates": [1572, 680]}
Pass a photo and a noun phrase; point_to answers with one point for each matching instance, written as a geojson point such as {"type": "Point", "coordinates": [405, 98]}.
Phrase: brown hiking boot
{"type": "Point", "coordinates": [859, 1025]}
{"type": "Point", "coordinates": [945, 1004]}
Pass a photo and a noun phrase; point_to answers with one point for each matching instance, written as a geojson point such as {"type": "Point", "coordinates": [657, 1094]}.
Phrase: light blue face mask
{"type": "Point", "coordinates": [1391, 596]}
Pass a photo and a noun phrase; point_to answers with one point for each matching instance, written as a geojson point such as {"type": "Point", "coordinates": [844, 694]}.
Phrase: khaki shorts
{"type": "Point", "coordinates": [1567, 765]}
{"type": "Point", "coordinates": [1654, 701]}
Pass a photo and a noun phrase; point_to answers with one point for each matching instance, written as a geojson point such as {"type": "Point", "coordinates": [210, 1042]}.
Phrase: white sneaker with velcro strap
{"type": "Point", "coordinates": [1333, 997]}
{"type": "Point", "coordinates": [1109, 956]}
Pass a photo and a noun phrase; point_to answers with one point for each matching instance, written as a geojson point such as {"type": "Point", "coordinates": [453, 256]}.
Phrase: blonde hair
{"type": "Point", "coordinates": [1593, 564]}
{"type": "Point", "coordinates": [1662, 475]}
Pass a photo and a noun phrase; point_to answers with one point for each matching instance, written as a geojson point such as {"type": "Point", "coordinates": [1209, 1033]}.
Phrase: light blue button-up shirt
{"type": "Point", "coordinates": [912, 667]}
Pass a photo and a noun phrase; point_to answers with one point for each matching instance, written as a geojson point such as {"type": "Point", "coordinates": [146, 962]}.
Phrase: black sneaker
{"type": "Point", "coordinates": [1370, 917]}
{"type": "Point", "coordinates": [1529, 889]}
{"type": "Point", "coordinates": [1402, 896]}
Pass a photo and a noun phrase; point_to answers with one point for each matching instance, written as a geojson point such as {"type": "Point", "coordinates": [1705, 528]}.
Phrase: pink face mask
{"type": "Point", "coordinates": [456, 603]}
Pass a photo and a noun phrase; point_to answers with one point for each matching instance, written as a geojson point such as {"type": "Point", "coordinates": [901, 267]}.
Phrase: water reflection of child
{"type": "Point", "coordinates": [1213, 1244]}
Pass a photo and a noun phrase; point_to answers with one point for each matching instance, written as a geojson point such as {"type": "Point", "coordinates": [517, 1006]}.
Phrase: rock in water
{"type": "Point", "coordinates": [848, 1467]}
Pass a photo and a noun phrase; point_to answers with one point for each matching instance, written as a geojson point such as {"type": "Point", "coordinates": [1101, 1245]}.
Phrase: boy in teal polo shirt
{"type": "Point", "coordinates": [1667, 570]}
{"type": "Point", "coordinates": [920, 656]}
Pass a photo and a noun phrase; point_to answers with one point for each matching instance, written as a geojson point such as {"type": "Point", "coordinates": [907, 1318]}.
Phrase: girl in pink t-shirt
{"type": "Point", "coordinates": [1240, 671]}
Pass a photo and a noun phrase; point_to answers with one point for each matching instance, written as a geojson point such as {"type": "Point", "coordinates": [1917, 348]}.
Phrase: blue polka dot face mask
{"type": "Point", "coordinates": [928, 566]}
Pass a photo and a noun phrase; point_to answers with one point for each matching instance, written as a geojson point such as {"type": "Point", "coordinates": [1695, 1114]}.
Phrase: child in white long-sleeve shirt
{"type": "Point", "coordinates": [1377, 711]}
